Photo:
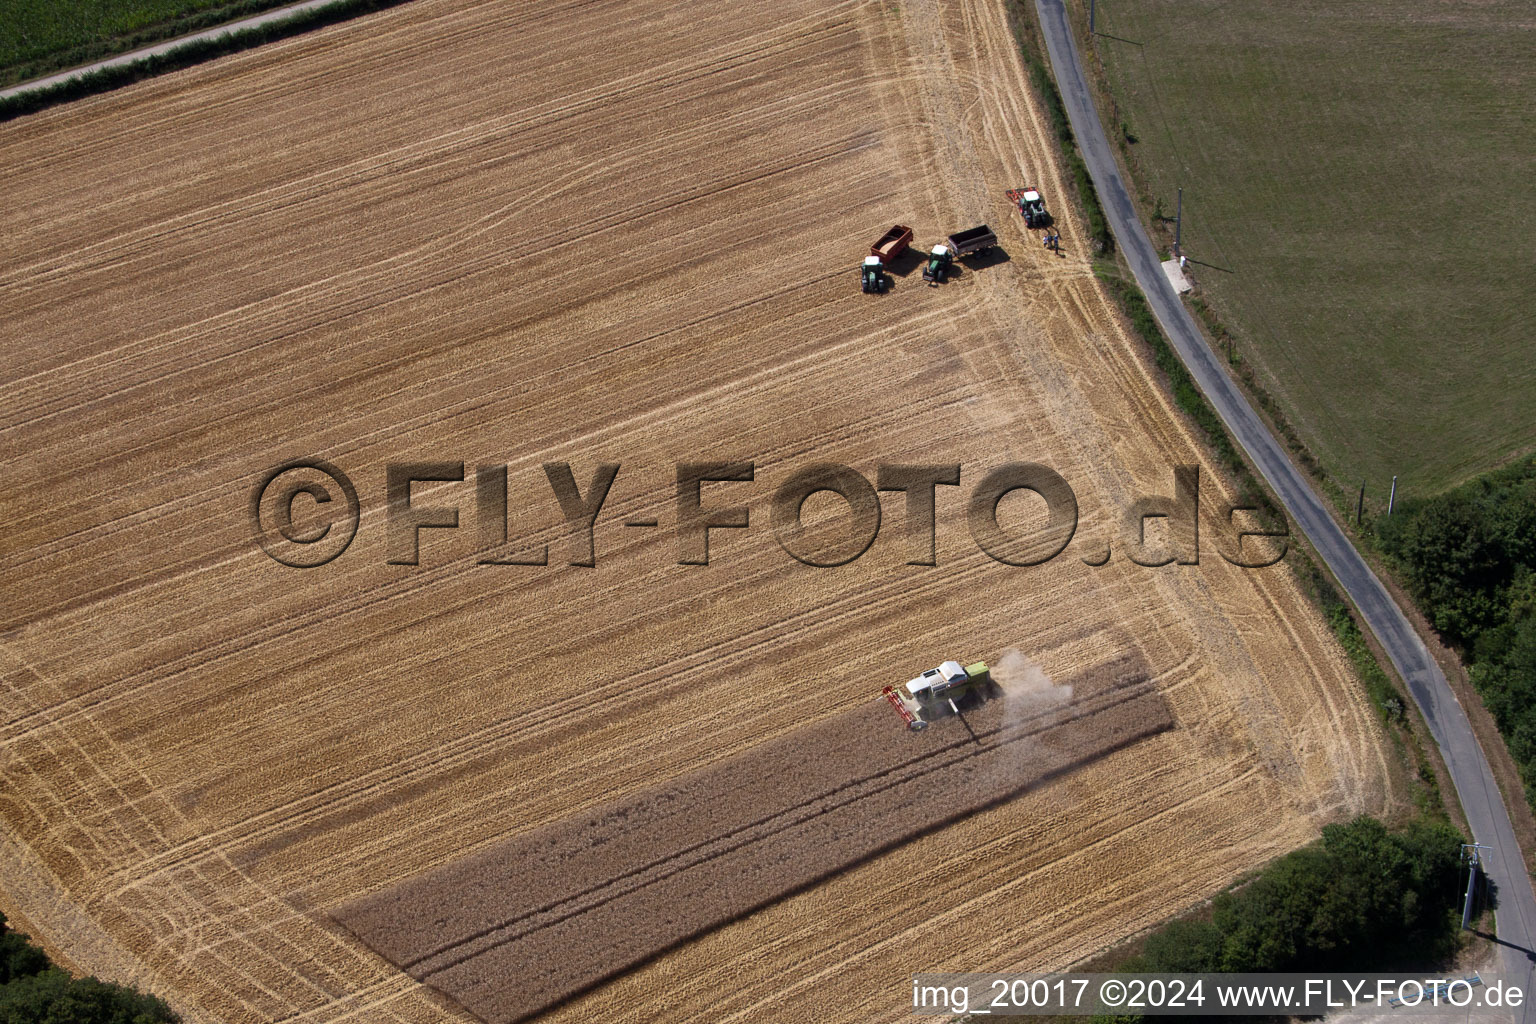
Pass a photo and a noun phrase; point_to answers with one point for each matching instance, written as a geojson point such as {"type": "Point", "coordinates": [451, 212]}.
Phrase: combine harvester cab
{"type": "Point", "coordinates": [939, 692]}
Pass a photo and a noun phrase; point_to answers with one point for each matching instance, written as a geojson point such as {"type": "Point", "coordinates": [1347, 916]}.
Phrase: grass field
{"type": "Point", "coordinates": [38, 36]}
{"type": "Point", "coordinates": [1358, 210]}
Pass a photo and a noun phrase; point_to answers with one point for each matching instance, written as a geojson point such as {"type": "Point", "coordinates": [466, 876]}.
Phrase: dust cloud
{"type": "Point", "coordinates": [1025, 684]}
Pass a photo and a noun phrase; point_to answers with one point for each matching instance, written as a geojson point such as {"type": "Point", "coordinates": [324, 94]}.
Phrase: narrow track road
{"type": "Point", "coordinates": [255, 21]}
{"type": "Point", "coordinates": [1448, 724]}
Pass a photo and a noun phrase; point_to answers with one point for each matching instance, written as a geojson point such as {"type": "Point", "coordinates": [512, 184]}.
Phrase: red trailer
{"type": "Point", "coordinates": [892, 244]}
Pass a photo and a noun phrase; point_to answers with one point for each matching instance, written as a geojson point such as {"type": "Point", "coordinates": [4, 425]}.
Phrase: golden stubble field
{"type": "Point", "coordinates": [610, 232]}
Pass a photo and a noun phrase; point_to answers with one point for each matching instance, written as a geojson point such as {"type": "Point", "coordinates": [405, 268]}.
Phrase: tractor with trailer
{"type": "Point", "coordinates": [940, 691]}
{"type": "Point", "coordinates": [936, 271]}
{"type": "Point", "coordinates": [1032, 205]}
{"type": "Point", "coordinates": [890, 245]}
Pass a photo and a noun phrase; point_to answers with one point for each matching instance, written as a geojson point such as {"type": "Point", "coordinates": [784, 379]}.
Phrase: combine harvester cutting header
{"type": "Point", "coordinates": [939, 691]}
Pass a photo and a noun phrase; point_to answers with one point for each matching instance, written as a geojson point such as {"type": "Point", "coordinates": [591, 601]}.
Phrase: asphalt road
{"type": "Point", "coordinates": [1448, 724]}
{"type": "Point", "coordinates": [276, 14]}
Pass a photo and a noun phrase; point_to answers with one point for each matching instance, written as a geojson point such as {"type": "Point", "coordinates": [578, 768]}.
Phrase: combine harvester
{"type": "Point", "coordinates": [1032, 206]}
{"type": "Point", "coordinates": [939, 691]}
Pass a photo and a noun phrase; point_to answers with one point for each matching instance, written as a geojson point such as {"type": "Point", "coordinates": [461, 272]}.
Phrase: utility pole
{"type": "Point", "coordinates": [1392, 499]}
{"type": "Point", "coordinates": [1178, 225]}
{"type": "Point", "coordinates": [1360, 506]}
{"type": "Point", "coordinates": [1469, 853]}
{"type": "Point", "coordinates": [1091, 5]}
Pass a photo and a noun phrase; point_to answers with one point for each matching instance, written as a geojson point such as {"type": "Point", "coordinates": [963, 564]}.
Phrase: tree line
{"type": "Point", "coordinates": [1469, 558]}
{"type": "Point", "coordinates": [1362, 898]}
{"type": "Point", "coordinates": [35, 991]}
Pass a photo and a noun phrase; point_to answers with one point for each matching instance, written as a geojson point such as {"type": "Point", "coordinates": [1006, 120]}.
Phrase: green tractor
{"type": "Point", "coordinates": [872, 276]}
{"type": "Point", "coordinates": [939, 263]}
{"type": "Point", "coordinates": [1031, 206]}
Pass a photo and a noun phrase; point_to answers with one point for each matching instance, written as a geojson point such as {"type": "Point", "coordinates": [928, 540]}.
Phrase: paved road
{"type": "Point", "coordinates": [1485, 811]}
{"type": "Point", "coordinates": [276, 14]}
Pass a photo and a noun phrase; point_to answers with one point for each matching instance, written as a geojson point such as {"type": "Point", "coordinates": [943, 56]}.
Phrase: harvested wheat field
{"type": "Point", "coordinates": [594, 233]}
